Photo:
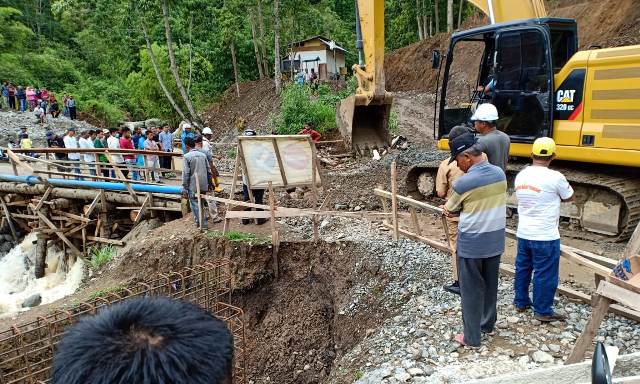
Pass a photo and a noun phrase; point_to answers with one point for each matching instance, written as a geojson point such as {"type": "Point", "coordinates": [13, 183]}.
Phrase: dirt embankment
{"type": "Point", "coordinates": [257, 101]}
{"type": "Point", "coordinates": [605, 23]}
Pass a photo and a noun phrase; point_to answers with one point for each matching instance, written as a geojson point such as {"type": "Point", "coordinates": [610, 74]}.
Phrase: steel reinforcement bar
{"type": "Point", "coordinates": [27, 350]}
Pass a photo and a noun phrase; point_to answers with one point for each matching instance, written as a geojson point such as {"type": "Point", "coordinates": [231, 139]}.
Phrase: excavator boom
{"type": "Point", "coordinates": [363, 118]}
{"type": "Point", "coordinates": [500, 11]}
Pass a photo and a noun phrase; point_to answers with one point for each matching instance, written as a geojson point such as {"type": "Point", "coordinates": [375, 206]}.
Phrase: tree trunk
{"type": "Point", "coordinates": [436, 15]}
{"type": "Point", "coordinates": [425, 19]}
{"type": "Point", "coordinates": [449, 16]}
{"type": "Point", "coordinates": [174, 66]}
{"type": "Point", "coordinates": [256, 48]}
{"type": "Point", "coordinates": [152, 56]}
{"type": "Point", "coordinates": [276, 48]}
{"type": "Point", "coordinates": [430, 26]}
{"type": "Point", "coordinates": [263, 45]}
{"type": "Point", "coordinates": [419, 19]}
{"type": "Point", "coordinates": [235, 67]}
{"type": "Point", "coordinates": [190, 54]}
{"type": "Point", "coordinates": [460, 13]}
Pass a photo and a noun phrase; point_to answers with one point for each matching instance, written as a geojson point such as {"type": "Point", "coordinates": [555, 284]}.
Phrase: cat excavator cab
{"type": "Point", "coordinates": [363, 119]}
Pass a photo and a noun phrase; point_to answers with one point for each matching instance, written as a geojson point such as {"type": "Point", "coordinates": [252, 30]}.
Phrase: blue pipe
{"type": "Point", "coordinates": [106, 185]}
{"type": "Point", "coordinates": [31, 180]}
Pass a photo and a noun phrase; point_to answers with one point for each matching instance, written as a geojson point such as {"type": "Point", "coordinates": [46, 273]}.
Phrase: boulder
{"type": "Point", "coordinates": [32, 301]}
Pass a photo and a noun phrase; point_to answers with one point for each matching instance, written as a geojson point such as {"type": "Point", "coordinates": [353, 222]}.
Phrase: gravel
{"type": "Point", "coordinates": [11, 124]}
{"type": "Point", "coordinates": [415, 344]}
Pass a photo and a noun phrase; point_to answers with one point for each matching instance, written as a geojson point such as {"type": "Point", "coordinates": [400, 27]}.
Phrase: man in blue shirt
{"type": "Point", "coordinates": [186, 133]}
{"type": "Point", "coordinates": [166, 144]}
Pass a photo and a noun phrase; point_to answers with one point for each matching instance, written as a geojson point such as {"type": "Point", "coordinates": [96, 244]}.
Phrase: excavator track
{"type": "Point", "coordinates": [607, 206]}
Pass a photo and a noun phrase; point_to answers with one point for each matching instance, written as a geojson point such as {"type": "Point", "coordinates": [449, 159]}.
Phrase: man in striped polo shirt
{"type": "Point", "coordinates": [479, 197]}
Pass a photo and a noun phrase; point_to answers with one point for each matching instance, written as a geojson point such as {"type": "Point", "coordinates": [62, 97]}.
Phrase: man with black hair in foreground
{"type": "Point", "coordinates": [146, 341]}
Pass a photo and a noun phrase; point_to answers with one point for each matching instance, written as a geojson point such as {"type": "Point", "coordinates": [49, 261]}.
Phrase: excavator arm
{"type": "Point", "coordinates": [500, 11]}
{"type": "Point", "coordinates": [363, 118]}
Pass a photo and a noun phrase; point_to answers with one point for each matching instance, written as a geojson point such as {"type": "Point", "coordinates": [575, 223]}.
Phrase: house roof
{"type": "Point", "coordinates": [322, 39]}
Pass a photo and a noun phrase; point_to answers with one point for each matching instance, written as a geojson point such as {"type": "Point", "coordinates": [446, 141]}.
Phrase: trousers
{"type": "Point", "coordinates": [542, 258]}
{"type": "Point", "coordinates": [479, 293]}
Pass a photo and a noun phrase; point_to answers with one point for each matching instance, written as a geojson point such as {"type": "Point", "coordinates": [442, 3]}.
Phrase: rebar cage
{"type": "Point", "coordinates": [27, 350]}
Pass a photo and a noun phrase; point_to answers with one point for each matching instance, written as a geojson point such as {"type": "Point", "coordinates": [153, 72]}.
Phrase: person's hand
{"type": "Point", "coordinates": [185, 193]}
{"type": "Point", "coordinates": [448, 213]}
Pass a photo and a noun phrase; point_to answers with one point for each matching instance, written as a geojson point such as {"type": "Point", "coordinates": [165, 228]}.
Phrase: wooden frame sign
{"type": "Point", "coordinates": [284, 161]}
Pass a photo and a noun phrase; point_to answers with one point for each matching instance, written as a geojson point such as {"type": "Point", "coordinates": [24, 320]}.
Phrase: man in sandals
{"type": "Point", "coordinates": [479, 197]}
{"type": "Point", "coordinates": [539, 191]}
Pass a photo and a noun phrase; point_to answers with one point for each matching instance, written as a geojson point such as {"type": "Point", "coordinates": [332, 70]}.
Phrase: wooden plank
{"type": "Point", "coordinates": [408, 201]}
{"type": "Point", "coordinates": [619, 294]}
{"type": "Point", "coordinates": [143, 208]}
{"type": "Point", "coordinates": [275, 238]}
{"type": "Point", "coordinates": [586, 338]}
{"type": "Point", "coordinates": [414, 221]}
{"type": "Point", "coordinates": [314, 188]}
{"type": "Point", "coordinates": [23, 216]}
{"type": "Point", "coordinates": [93, 205]}
{"type": "Point", "coordinates": [394, 199]}
{"type": "Point", "coordinates": [18, 162]}
{"type": "Point", "coordinates": [106, 241]}
{"type": "Point", "coordinates": [71, 216]}
{"type": "Point", "coordinates": [280, 163]}
{"type": "Point", "coordinates": [7, 215]}
{"type": "Point", "coordinates": [59, 234]}
{"type": "Point", "coordinates": [77, 228]}
{"type": "Point", "coordinates": [597, 268]}
{"type": "Point", "coordinates": [413, 236]}
{"type": "Point", "coordinates": [121, 176]}
{"type": "Point", "coordinates": [633, 246]}
{"type": "Point", "coordinates": [44, 198]}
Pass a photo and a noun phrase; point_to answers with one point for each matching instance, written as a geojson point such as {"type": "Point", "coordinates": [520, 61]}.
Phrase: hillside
{"type": "Point", "coordinates": [606, 23]}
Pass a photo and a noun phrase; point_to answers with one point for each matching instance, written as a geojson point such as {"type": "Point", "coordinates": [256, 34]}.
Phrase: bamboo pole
{"type": "Point", "coordinates": [394, 199]}
{"type": "Point", "coordinates": [275, 236]}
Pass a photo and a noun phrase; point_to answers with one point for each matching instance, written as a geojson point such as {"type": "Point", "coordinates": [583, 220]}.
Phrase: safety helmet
{"type": "Point", "coordinates": [485, 112]}
{"type": "Point", "coordinates": [544, 147]}
{"type": "Point", "coordinates": [249, 132]}
{"type": "Point", "coordinates": [186, 126]}
{"type": "Point", "coordinates": [207, 131]}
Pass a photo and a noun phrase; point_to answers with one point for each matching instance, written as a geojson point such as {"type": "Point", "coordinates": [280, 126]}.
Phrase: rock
{"type": "Point", "coordinates": [402, 377]}
{"type": "Point", "coordinates": [555, 348]}
{"type": "Point", "coordinates": [415, 371]}
{"type": "Point", "coordinates": [513, 319]}
{"type": "Point", "coordinates": [523, 361]}
{"type": "Point", "coordinates": [541, 357]}
{"type": "Point", "coordinates": [341, 207]}
{"type": "Point", "coordinates": [535, 322]}
{"type": "Point", "coordinates": [307, 367]}
{"type": "Point", "coordinates": [32, 301]}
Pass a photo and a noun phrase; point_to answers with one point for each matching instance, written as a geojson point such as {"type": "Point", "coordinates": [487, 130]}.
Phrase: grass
{"type": "Point", "coordinates": [393, 123]}
{"type": "Point", "coordinates": [101, 256]}
{"type": "Point", "coordinates": [359, 375]}
{"type": "Point", "coordinates": [105, 292]}
{"type": "Point", "coordinates": [237, 237]}
{"type": "Point", "coordinates": [231, 153]}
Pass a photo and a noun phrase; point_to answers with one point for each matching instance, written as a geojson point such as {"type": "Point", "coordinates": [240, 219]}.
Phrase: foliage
{"type": "Point", "coordinates": [393, 123]}
{"type": "Point", "coordinates": [101, 256]}
{"type": "Point", "coordinates": [301, 105]}
{"type": "Point", "coordinates": [104, 292]}
{"type": "Point", "coordinates": [96, 49]}
{"type": "Point", "coordinates": [236, 236]}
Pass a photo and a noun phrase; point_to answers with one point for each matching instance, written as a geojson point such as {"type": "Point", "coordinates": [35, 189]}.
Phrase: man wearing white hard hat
{"type": "Point", "coordinates": [187, 132]}
{"type": "Point", "coordinates": [540, 191]}
{"type": "Point", "coordinates": [491, 141]}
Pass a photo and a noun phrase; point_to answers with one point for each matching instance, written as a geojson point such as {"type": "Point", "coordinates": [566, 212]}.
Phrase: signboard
{"type": "Point", "coordinates": [285, 161]}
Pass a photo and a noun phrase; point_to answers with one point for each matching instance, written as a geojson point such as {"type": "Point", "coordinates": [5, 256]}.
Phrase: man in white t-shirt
{"type": "Point", "coordinates": [540, 191]}
{"type": "Point", "coordinates": [86, 142]}
{"type": "Point", "coordinates": [70, 141]}
{"type": "Point", "coordinates": [114, 143]}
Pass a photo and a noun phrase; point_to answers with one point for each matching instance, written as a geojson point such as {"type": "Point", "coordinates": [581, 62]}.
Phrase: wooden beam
{"type": "Point", "coordinates": [394, 200]}
{"type": "Point", "coordinates": [633, 246]}
{"type": "Point", "coordinates": [598, 313]}
{"type": "Point", "coordinates": [413, 236]}
{"type": "Point", "coordinates": [18, 162]}
{"type": "Point", "coordinates": [23, 216]}
{"type": "Point", "coordinates": [71, 216]}
{"type": "Point", "coordinates": [7, 215]}
{"type": "Point", "coordinates": [93, 205]}
{"type": "Point", "coordinates": [44, 198]}
{"type": "Point", "coordinates": [121, 176]}
{"type": "Point", "coordinates": [103, 240]}
{"type": "Point", "coordinates": [143, 208]}
{"type": "Point", "coordinates": [59, 234]}
{"type": "Point", "coordinates": [619, 295]}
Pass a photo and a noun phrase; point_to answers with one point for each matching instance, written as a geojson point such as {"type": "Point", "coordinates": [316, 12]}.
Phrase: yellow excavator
{"type": "Point", "coordinates": [529, 66]}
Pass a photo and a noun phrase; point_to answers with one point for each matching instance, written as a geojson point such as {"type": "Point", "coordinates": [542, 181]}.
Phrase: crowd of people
{"type": "Point", "coordinates": [474, 183]}
{"type": "Point", "coordinates": [39, 101]}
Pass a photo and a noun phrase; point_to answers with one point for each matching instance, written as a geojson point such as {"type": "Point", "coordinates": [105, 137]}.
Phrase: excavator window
{"type": "Point", "coordinates": [523, 83]}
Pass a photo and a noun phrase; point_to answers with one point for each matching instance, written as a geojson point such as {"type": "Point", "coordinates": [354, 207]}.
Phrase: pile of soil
{"type": "Point", "coordinates": [257, 101]}
{"type": "Point", "coordinates": [606, 23]}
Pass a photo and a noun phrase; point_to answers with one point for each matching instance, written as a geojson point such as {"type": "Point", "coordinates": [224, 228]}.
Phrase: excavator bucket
{"type": "Point", "coordinates": [364, 127]}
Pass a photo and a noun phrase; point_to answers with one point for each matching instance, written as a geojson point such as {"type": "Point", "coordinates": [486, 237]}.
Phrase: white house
{"type": "Point", "coordinates": [323, 55]}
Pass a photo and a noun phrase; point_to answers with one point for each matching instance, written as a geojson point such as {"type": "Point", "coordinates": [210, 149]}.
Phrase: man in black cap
{"type": "Point", "coordinates": [479, 198]}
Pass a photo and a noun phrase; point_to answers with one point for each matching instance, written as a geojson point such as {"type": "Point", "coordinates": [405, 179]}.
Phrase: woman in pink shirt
{"type": "Point", "coordinates": [31, 98]}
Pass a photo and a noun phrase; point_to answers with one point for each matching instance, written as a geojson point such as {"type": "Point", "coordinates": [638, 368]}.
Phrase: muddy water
{"type": "Point", "coordinates": [18, 281]}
